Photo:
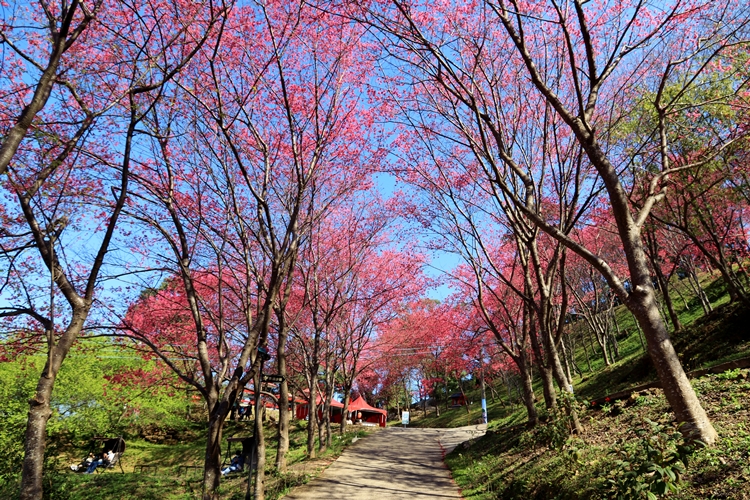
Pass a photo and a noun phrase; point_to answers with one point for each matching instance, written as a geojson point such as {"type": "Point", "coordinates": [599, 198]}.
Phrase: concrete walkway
{"type": "Point", "coordinates": [394, 463]}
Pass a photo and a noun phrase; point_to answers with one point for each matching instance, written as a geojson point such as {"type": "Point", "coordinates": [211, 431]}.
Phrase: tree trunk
{"type": "Point", "coordinates": [735, 293]}
{"type": "Point", "coordinates": [39, 406]}
{"type": "Point", "coordinates": [586, 350]}
{"type": "Point", "coordinates": [673, 316]}
{"type": "Point", "coordinates": [345, 410]}
{"type": "Point", "coordinates": [695, 284]}
{"type": "Point", "coordinates": [545, 371]}
{"type": "Point", "coordinates": [685, 304]}
{"type": "Point", "coordinates": [615, 347]}
{"type": "Point", "coordinates": [661, 279]}
{"type": "Point", "coordinates": [212, 464]}
{"type": "Point", "coordinates": [566, 386]}
{"type": "Point", "coordinates": [260, 439]}
{"type": "Point", "coordinates": [640, 332]}
{"type": "Point", "coordinates": [548, 387]}
{"type": "Point", "coordinates": [282, 447]}
{"type": "Point", "coordinates": [601, 339]}
{"type": "Point", "coordinates": [719, 262]}
{"type": "Point", "coordinates": [566, 355]}
{"type": "Point", "coordinates": [463, 395]}
{"type": "Point", "coordinates": [493, 392]}
{"type": "Point", "coordinates": [447, 394]}
{"type": "Point", "coordinates": [312, 418]}
{"type": "Point", "coordinates": [36, 434]}
{"type": "Point", "coordinates": [676, 385]}
{"type": "Point", "coordinates": [529, 399]}
{"type": "Point", "coordinates": [324, 440]}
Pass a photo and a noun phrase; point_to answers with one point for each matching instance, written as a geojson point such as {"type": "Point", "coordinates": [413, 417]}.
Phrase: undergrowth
{"type": "Point", "coordinates": [631, 450]}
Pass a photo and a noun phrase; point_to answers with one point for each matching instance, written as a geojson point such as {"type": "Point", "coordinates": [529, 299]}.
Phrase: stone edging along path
{"type": "Point", "coordinates": [720, 368]}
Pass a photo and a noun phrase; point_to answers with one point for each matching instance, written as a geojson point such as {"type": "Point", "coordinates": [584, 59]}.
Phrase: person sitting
{"type": "Point", "coordinates": [84, 464]}
{"type": "Point", "coordinates": [234, 465]}
{"type": "Point", "coordinates": [105, 460]}
{"type": "Point", "coordinates": [96, 463]}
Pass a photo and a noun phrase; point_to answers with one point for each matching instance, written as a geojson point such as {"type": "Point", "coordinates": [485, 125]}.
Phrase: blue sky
{"type": "Point", "coordinates": [440, 262]}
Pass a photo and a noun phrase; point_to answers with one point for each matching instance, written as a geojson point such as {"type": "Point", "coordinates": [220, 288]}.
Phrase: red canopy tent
{"type": "Point", "coordinates": [368, 413]}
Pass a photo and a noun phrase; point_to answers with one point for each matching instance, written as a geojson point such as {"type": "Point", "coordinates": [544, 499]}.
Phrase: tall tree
{"type": "Point", "coordinates": [105, 71]}
{"type": "Point", "coordinates": [478, 66]}
{"type": "Point", "coordinates": [259, 137]}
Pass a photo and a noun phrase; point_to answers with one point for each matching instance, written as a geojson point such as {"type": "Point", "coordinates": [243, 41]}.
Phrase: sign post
{"type": "Point", "coordinates": [404, 418]}
{"type": "Point", "coordinates": [484, 396]}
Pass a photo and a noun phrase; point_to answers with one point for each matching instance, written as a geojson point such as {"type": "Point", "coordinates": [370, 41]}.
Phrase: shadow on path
{"type": "Point", "coordinates": [394, 463]}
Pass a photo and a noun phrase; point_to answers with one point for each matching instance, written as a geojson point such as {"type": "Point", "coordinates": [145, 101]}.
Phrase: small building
{"type": "Point", "coordinates": [457, 400]}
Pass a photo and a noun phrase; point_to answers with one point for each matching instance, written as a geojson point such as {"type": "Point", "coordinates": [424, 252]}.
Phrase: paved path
{"type": "Point", "coordinates": [394, 463]}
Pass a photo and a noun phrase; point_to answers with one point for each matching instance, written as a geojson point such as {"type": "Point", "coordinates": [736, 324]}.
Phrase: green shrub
{"type": "Point", "coordinates": [729, 374]}
{"type": "Point", "coordinates": [651, 466]}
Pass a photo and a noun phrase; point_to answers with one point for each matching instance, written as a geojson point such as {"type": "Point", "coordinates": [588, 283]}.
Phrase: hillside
{"type": "Point", "coordinates": [514, 462]}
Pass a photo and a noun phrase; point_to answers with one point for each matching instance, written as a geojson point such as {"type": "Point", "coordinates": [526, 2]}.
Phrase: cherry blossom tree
{"type": "Point", "coordinates": [62, 24]}
{"type": "Point", "coordinates": [505, 314]}
{"type": "Point", "coordinates": [259, 138]}
{"type": "Point", "coordinates": [350, 280]}
{"type": "Point", "coordinates": [389, 280]}
{"type": "Point", "coordinates": [494, 237]}
{"type": "Point", "coordinates": [710, 216]}
{"type": "Point", "coordinates": [103, 72]}
{"type": "Point", "coordinates": [473, 70]}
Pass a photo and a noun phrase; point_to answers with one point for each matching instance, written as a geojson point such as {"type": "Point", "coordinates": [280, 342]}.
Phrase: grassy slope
{"type": "Point", "coordinates": [511, 462]}
{"type": "Point", "coordinates": [704, 341]}
{"type": "Point", "coordinates": [165, 483]}
{"type": "Point", "coordinates": [634, 366]}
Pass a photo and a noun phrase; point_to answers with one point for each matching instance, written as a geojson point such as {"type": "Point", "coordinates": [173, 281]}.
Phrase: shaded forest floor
{"type": "Point", "coordinates": [174, 470]}
{"type": "Point", "coordinates": [545, 463]}
{"type": "Point", "coordinates": [513, 462]}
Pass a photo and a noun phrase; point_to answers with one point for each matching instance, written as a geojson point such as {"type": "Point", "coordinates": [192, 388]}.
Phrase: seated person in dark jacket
{"type": "Point", "coordinates": [235, 465]}
{"type": "Point", "coordinates": [105, 459]}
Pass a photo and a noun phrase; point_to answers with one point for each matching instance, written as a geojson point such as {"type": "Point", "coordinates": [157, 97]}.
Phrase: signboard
{"type": "Point", "coordinates": [276, 379]}
{"type": "Point", "coordinates": [405, 417]}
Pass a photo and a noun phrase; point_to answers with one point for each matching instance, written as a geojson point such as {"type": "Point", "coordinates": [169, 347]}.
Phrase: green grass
{"type": "Point", "coordinates": [167, 483]}
{"type": "Point", "coordinates": [514, 462]}
{"type": "Point", "coordinates": [498, 411]}
{"type": "Point", "coordinates": [140, 452]}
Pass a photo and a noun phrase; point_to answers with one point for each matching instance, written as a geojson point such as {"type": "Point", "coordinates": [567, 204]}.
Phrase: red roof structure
{"type": "Point", "coordinates": [303, 410]}
{"type": "Point", "coordinates": [368, 413]}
